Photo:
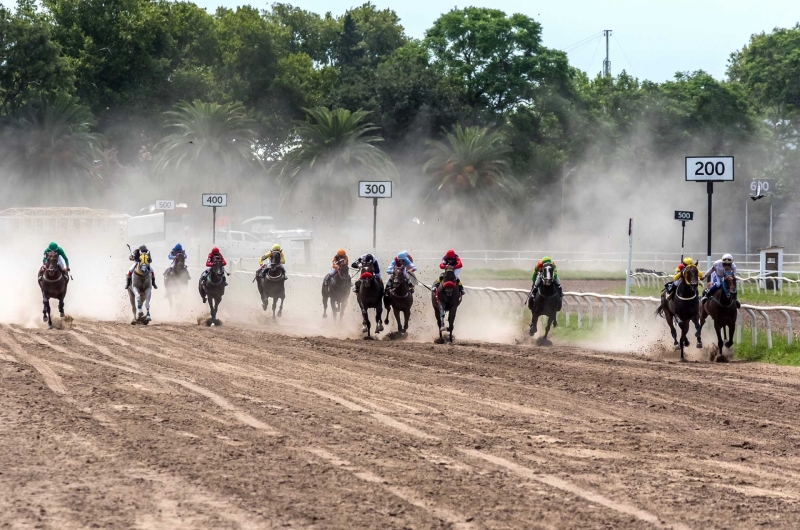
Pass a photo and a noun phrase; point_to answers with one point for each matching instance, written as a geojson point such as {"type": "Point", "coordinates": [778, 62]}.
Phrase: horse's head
{"type": "Point", "coordinates": [52, 261]}
{"type": "Point", "coordinates": [216, 265]}
{"type": "Point", "coordinates": [449, 273]}
{"type": "Point", "coordinates": [275, 258]}
{"type": "Point", "coordinates": [143, 268]}
{"type": "Point", "coordinates": [691, 275]}
{"type": "Point", "coordinates": [729, 285]}
{"type": "Point", "coordinates": [366, 272]}
{"type": "Point", "coordinates": [180, 261]}
{"type": "Point", "coordinates": [547, 274]}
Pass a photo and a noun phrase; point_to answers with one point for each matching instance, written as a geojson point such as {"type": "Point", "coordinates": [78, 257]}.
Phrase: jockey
{"type": "Point", "coordinates": [136, 258]}
{"type": "Point", "coordinates": [537, 278]}
{"type": "Point", "coordinates": [63, 260]}
{"type": "Point", "coordinates": [402, 260]}
{"type": "Point", "coordinates": [677, 279]}
{"type": "Point", "coordinates": [266, 257]}
{"type": "Point", "coordinates": [340, 259]}
{"type": "Point", "coordinates": [369, 262]}
{"type": "Point", "coordinates": [450, 259]}
{"type": "Point", "coordinates": [176, 251]}
{"type": "Point", "coordinates": [721, 268]}
{"type": "Point", "coordinates": [210, 263]}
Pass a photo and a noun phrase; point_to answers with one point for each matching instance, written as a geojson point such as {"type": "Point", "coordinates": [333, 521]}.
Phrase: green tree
{"type": "Point", "coordinates": [471, 166]}
{"type": "Point", "coordinates": [307, 32]}
{"type": "Point", "coordinates": [52, 146]}
{"type": "Point", "coordinates": [499, 59]}
{"type": "Point", "coordinates": [206, 142]}
{"type": "Point", "coordinates": [31, 64]}
{"type": "Point", "coordinates": [334, 148]}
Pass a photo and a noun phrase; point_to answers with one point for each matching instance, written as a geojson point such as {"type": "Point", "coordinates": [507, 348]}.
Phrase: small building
{"type": "Point", "coordinates": [771, 264]}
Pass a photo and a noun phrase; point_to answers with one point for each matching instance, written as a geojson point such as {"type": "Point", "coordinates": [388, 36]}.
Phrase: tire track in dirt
{"type": "Point", "coordinates": [51, 379]}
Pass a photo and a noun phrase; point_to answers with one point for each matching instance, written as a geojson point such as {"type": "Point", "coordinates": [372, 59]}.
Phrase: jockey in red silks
{"type": "Point", "coordinates": [210, 263]}
{"type": "Point", "coordinates": [451, 259]}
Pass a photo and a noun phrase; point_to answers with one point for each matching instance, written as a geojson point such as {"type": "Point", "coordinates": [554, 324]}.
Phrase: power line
{"type": "Point", "coordinates": [577, 49]}
{"type": "Point", "coordinates": [593, 54]}
{"type": "Point", "coordinates": [626, 56]}
{"type": "Point", "coordinates": [582, 41]}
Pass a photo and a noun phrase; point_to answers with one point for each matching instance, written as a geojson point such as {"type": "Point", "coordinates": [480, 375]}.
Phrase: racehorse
{"type": "Point", "coordinates": [337, 290]}
{"type": "Point", "coordinates": [547, 302]}
{"type": "Point", "coordinates": [370, 296]}
{"type": "Point", "coordinates": [399, 298]}
{"type": "Point", "coordinates": [445, 300]}
{"type": "Point", "coordinates": [53, 283]}
{"type": "Point", "coordinates": [271, 283]}
{"type": "Point", "coordinates": [683, 308]}
{"type": "Point", "coordinates": [722, 308]}
{"type": "Point", "coordinates": [213, 287]}
{"type": "Point", "coordinates": [141, 289]}
{"type": "Point", "coordinates": [176, 278]}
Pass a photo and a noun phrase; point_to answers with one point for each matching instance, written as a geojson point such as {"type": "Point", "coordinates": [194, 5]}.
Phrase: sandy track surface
{"type": "Point", "coordinates": [113, 426]}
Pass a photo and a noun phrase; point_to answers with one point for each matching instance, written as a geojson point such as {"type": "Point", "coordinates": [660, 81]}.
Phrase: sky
{"type": "Point", "coordinates": [653, 39]}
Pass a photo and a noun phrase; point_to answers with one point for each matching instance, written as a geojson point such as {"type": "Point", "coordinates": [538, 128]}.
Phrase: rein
{"type": "Point", "coordinates": [60, 277]}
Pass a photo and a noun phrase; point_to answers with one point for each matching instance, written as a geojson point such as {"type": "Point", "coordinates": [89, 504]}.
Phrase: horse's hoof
{"type": "Point", "coordinates": [729, 345]}
{"type": "Point", "coordinates": [442, 329]}
{"type": "Point", "coordinates": [531, 332]}
{"type": "Point", "coordinates": [61, 314]}
{"type": "Point", "coordinates": [364, 330]}
{"type": "Point", "coordinates": [721, 359]}
{"type": "Point", "coordinates": [134, 322]}
{"type": "Point", "coordinates": [324, 315]}
{"type": "Point", "coordinates": [712, 355]}
{"type": "Point", "coordinates": [264, 307]}
{"type": "Point", "coordinates": [699, 345]}
{"type": "Point", "coordinates": [379, 328]}
{"type": "Point", "coordinates": [682, 359]}
{"type": "Point", "coordinates": [280, 313]}
{"type": "Point", "coordinates": [44, 318]}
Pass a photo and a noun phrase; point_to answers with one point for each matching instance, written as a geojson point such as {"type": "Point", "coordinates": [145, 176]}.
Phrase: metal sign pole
{"type": "Point", "coordinates": [630, 261]}
{"type": "Point", "coordinates": [374, 224]}
{"type": "Point", "coordinates": [710, 188]}
{"type": "Point", "coordinates": [214, 226]}
{"type": "Point", "coordinates": [683, 237]}
{"type": "Point", "coordinates": [770, 222]}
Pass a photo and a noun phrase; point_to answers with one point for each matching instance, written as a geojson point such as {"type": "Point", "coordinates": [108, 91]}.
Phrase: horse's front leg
{"type": "Point", "coordinates": [452, 322]}
{"type": "Point", "coordinates": [378, 314]}
{"type": "Point", "coordinates": [719, 329]}
{"type": "Point", "coordinates": [672, 329]}
{"type": "Point", "coordinates": [274, 306]}
{"type": "Point", "coordinates": [547, 328]}
{"type": "Point", "coordinates": [698, 328]}
{"type": "Point", "coordinates": [280, 309]}
{"type": "Point", "coordinates": [684, 341]}
{"type": "Point", "coordinates": [731, 331]}
{"type": "Point", "coordinates": [365, 323]}
{"type": "Point", "coordinates": [61, 306]}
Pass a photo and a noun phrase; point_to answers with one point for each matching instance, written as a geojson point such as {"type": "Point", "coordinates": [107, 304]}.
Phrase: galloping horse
{"type": "Point", "coordinates": [370, 296]}
{"type": "Point", "coordinates": [53, 283]}
{"type": "Point", "coordinates": [547, 302]}
{"type": "Point", "coordinates": [176, 278]}
{"type": "Point", "coordinates": [214, 288]}
{"type": "Point", "coordinates": [399, 298]}
{"type": "Point", "coordinates": [271, 284]}
{"type": "Point", "coordinates": [683, 308]}
{"type": "Point", "coordinates": [445, 300]}
{"type": "Point", "coordinates": [337, 290]}
{"type": "Point", "coordinates": [722, 308]}
{"type": "Point", "coordinates": [141, 289]}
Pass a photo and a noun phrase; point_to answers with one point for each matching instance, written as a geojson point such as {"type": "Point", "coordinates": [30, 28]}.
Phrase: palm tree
{"type": "Point", "coordinates": [471, 168]}
{"type": "Point", "coordinates": [53, 146]}
{"type": "Point", "coordinates": [334, 148]}
{"type": "Point", "coordinates": [207, 139]}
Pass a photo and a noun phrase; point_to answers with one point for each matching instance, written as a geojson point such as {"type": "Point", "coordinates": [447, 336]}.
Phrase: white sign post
{"type": "Point", "coordinates": [165, 205]}
{"type": "Point", "coordinates": [215, 200]}
{"type": "Point", "coordinates": [709, 169]}
{"type": "Point", "coordinates": [375, 190]}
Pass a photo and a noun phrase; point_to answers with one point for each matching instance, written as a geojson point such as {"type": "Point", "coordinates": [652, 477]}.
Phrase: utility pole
{"type": "Point", "coordinates": [607, 62]}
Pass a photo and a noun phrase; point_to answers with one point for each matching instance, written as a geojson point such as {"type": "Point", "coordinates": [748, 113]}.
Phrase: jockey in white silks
{"type": "Point", "coordinates": [719, 269]}
{"type": "Point", "coordinates": [403, 260]}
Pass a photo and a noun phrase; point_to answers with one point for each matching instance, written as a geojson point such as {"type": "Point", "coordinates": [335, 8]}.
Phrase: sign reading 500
{"type": "Point", "coordinates": [375, 189]}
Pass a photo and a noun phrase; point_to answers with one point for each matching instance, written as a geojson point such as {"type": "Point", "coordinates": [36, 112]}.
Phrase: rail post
{"type": "Point", "coordinates": [605, 313]}
{"type": "Point", "coordinates": [580, 312]}
{"type": "Point", "coordinates": [769, 329]}
{"type": "Point", "coordinates": [789, 334]}
{"type": "Point", "coordinates": [738, 327]}
{"type": "Point", "coordinates": [754, 340]}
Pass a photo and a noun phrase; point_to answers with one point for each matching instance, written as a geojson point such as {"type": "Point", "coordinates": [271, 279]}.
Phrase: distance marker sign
{"type": "Point", "coordinates": [681, 215]}
{"type": "Point", "coordinates": [709, 168]}
{"type": "Point", "coordinates": [375, 189]}
{"type": "Point", "coordinates": [215, 200]}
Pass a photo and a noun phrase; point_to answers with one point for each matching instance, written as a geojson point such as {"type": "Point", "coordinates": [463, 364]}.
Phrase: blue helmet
{"type": "Point", "coordinates": [177, 248]}
{"type": "Point", "coordinates": [403, 255]}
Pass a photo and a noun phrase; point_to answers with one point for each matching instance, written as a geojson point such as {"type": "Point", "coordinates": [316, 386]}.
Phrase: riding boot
{"type": "Point", "coordinates": [738, 304]}
{"type": "Point", "coordinates": [127, 282]}
{"type": "Point", "coordinates": [225, 280]}
{"type": "Point", "coordinates": [560, 292]}
{"type": "Point", "coordinates": [356, 286]}
{"type": "Point", "coordinates": [154, 281]}
{"type": "Point", "coordinates": [461, 289]}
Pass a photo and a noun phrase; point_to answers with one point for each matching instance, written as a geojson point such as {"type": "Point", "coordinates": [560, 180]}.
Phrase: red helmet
{"type": "Point", "coordinates": [215, 250]}
{"type": "Point", "coordinates": [450, 254]}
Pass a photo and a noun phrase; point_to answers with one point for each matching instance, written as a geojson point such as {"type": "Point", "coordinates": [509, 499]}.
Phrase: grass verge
{"type": "Point", "coordinates": [749, 297]}
{"type": "Point", "coordinates": [521, 274]}
{"type": "Point", "coordinates": [781, 353]}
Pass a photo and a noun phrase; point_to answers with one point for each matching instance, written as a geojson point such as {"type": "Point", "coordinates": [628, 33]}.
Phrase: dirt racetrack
{"type": "Point", "coordinates": [179, 426]}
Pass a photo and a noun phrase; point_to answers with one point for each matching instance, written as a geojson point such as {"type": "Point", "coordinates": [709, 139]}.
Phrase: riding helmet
{"type": "Point", "coordinates": [52, 246]}
{"type": "Point", "coordinates": [341, 253]}
{"type": "Point", "coordinates": [215, 250]}
{"type": "Point", "coordinates": [276, 247]}
{"type": "Point", "coordinates": [177, 248]}
{"type": "Point", "coordinates": [727, 259]}
{"type": "Point", "coordinates": [402, 256]}
{"type": "Point", "coordinates": [688, 261]}
{"type": "Point", "coordinates": [450, 254]}
{"type": "Point", "coordinates": [142, 248]}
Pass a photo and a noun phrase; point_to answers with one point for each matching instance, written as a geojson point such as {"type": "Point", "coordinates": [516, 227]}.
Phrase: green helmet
{"type": "Point", "coordinates": [52, 246]}
{"type": "Point", "coordinates": [546, 259]}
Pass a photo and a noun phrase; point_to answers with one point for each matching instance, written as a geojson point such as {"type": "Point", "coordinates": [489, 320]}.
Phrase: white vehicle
{"type": "Point", "coordinates": [235, 244]}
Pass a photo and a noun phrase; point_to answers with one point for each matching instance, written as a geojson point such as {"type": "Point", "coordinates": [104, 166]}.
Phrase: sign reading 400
{"type": "Point", "coordinates": [215, 200]}
{"type": "Point", "coordinates": [375, 189]}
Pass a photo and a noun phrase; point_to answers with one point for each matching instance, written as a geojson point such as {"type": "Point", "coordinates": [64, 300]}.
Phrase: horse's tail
{"type": "Point", "coordinates": [660, 310]}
